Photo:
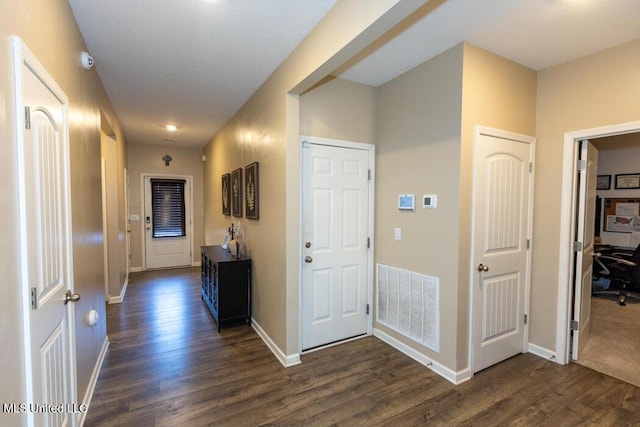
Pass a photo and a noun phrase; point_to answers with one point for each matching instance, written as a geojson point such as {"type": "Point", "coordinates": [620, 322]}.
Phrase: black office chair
{"type": "Point", "coordinates": [622, 268]}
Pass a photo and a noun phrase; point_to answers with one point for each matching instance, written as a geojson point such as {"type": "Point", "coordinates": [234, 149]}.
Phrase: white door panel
{"type": "Point", "coordinates": [167, 252]}
{"type": "Point", "coordinates": [45, 228]}
{"type": "Point", "coordinates": [335, 225]}
{"type": "Point", "coordinates": [502, 215]}
{"type": "Point", "coordinates": [584, 258]}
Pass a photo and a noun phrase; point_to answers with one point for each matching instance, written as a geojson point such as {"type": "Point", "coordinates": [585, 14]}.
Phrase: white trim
{"type": "Point", "coordinates": [105, 225]}
{"type": "Point", "coordinates": [446, 373]}
{"type": "Point", "coordinates": [196, 264]}
{"type": "Point", "coordinates": [333, 344]}
{"type": "Point", "coordinates": [123, 290]}
{"type": "Point", "coordinates": [136, 269]}
{"type": "Point", "coordinates": [371, 148]}
{"type": "Point", "coordinates": [88, 395]}
{"type": "Point", "coordinates": [285, 360]}
{"type": "Point", "coordinates": [539, 351]}
{"type": "Point", "coordinates": [567, 223]}
{"type": "Point", "coordinates": [497, 133]}
{"type": "Point", "coordinates": [143, 243]}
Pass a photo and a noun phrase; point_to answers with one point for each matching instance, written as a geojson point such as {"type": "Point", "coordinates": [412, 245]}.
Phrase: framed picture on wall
{"type": "Point", "coordinates": [226, 194]}
{"type": "Point", "coordinates": [251, 193]}
{"type": "Point", "coordinates": [604, 182]}
{"type": "Point", "coordinates": [627, 181]}
{"type": "Point", "coordinates": [236, 192]}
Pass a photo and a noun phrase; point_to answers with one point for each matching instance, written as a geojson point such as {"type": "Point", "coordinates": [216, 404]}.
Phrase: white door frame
{"type": "Point", "coordinates": [497, 133]}
{"type": "Point", "coordinates": [371, 148]}
{"type": "Point", "coordinates": [568, 214]}
{"type": "Point", "coordinates": [143, 243]}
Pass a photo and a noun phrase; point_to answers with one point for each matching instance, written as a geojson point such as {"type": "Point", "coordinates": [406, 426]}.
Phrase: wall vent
{"type": "Point", "coordinates": [409, 303]}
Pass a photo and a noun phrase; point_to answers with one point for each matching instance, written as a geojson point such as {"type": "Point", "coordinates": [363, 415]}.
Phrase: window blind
{"type": "Point", "coordinates": [168, 208]}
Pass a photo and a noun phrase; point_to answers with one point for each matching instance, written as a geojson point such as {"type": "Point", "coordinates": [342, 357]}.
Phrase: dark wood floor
{"type": "Point", "coordinates": [167, 366]}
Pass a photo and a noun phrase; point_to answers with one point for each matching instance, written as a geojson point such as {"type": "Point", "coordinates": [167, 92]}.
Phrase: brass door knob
{"type": "Point", "coordinates": [482, 267]}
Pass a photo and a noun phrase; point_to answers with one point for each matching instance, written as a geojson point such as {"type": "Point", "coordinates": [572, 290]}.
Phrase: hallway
{"type": "Point", "coordinates": [167, 366]}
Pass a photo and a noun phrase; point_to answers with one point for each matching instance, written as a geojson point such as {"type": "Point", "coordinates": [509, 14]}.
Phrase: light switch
{"type": "Point", "coordinates": [398, 233]}
{"type": "Point", "coordinates": [134, 217]}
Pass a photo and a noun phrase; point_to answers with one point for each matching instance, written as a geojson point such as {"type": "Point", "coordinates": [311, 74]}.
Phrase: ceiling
{"type": "Point", "coordinates": [195, 63]}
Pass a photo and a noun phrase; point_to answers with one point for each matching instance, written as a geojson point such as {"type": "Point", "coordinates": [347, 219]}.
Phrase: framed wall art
{"type": "Point", "coordinates": [226, 194]}
{"type": "Point", "coordinates": [604, 182]}
{"type": "Point", "coordinates": [251, 195]}
{"type": "Point", "coordinates": [627, 181]}
{"type": "Point", "coordinates": [236, 192]}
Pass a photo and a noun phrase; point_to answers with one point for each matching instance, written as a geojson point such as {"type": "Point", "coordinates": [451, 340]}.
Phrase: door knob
{"type": "Point", "coordinates": [71, 297]}
{"type": "Point", "coordinates": [307, 245]}
{"type": "Point", "coordinates": [308, 259]}
{"type": "Point", "coordinates": [482, 267]}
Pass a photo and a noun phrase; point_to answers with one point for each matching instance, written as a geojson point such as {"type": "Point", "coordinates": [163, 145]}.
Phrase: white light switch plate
{"type": "Point", "coordinates": [398, 233]}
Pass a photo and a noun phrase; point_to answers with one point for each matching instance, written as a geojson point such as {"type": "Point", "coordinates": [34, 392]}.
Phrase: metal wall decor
{"type": "Point", "coordinates": [251, 195]}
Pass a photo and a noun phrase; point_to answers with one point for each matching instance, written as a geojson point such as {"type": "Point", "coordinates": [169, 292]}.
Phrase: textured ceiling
{"type": "Point", "coordinates": [195, 62]}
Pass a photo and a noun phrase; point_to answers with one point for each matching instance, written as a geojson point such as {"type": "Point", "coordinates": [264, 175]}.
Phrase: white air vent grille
{"type": "Point", "coordinates": [409, 303]}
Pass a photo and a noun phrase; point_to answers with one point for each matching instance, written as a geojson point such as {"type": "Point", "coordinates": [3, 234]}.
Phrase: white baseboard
{"type": "Point", "coordinates": [120, 298]}
{"type": "Point", "coordinates": [135, 269]}
{"type": "Point", "coordinates": [287, 361]}
{"type": "Point", "coordinates": [88, 395]}
{"type": "Point", "coordinates": [446, 373]}
{"type": "Point", "coordinates": [545, 353]}
{"type": "Point", "coordinates": [196, 264]}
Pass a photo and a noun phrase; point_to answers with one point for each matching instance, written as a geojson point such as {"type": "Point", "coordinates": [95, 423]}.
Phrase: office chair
{"type": "Point", "coordinates": [622, 268]}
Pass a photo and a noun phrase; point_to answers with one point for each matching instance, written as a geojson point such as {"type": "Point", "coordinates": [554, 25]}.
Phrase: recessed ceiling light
{"type": "Point", "coordinates": [171, 128]}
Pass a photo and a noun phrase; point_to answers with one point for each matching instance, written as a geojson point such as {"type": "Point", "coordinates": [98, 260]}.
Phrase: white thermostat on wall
{"type": "Point", "coordinates": [406, 202]}
{"type": "Point", "coordinates": [430, 201]}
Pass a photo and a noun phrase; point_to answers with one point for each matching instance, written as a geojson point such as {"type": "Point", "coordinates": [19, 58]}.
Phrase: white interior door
{"type": "Point", "coordinates": [584, 258]}
{"type": "Point", "coordinates": [45, 225]}
{"type": "Point", "coordinates": [502, 216]}
{"type": "Point", "coordinates": [335, 265]}
{"type": "Point", "coordinates": [165, 245]}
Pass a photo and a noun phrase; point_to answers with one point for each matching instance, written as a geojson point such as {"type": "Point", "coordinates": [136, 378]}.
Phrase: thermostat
{"type": "Point", "coordinates": [430, 201]}
{"type": "Point", "coordinates": [406, 202]}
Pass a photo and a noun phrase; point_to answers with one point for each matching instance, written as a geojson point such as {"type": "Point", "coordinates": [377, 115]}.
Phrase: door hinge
{"type": "Point", "coordinates": [528, 244]}
{"type": "Point", "coordinates": [368, 242]}
{"type": "Point", "coordinates": [369, 175]}
{"type": "Point", "coordinates": [34, 298]}
{"type": "Point", "coordinates": [526, 318]}
{"type": "Point", "coordinates": [367, 308]}
{"type": "Point", "coordinates": [577, 246]}
{"type": "Point", "coordinates": [582, 165]}
{"type": "Point", "coordinates": [575, 325]}
{"type": "Point", "coordinates": [306, 144]}
{"type": "Point", "coordinates": [27, 117]}
{"type": "Point", "coordinates": [530, 167]}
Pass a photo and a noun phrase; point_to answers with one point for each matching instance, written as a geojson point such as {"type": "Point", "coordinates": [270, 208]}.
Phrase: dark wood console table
{"type": "Point", "coordinates": [226, 285]}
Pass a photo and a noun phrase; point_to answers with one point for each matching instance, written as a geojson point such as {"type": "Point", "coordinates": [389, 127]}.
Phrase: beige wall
{"type": "Point", "coordinates": [147, 159]}
{"type": "Point", "coordinates": [418, 152]}
{"type": "Point", "coordinates": [340, 109]}
{"type": "Point", "coordinates": [50, 32]}
{"type": "Point", "coordinates": [266, 130]}
{"type": "Point", "coordinates": [598, 90]}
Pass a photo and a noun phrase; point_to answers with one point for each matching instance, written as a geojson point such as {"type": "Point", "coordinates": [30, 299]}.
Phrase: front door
{"type": "Point", "coordinates": [45, 227]}
{"type": "Point", "coordinates": [335, 265]}
{"type": "Point", "coordinates": [584, 257]}
{"type": "Point", "coordinates": [167, 222]}
{"type": "Point", "coordinates": [502, 220]}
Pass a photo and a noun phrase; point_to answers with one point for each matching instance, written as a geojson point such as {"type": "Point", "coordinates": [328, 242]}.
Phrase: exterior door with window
{"type": "Point", "coordinates": [167, 222]}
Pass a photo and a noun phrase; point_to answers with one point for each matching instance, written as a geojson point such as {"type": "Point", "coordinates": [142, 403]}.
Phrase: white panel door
{"type": "Point", "coordinates": [502, 215]}
{"type": "Point", "coordinates": [45, 224]}
{"type": "Point", "coordinates": [166, 251]}
{"type": "Point", "coordinates": [584, 258]}
{"type": "Point", "coordinates": [335, 225]}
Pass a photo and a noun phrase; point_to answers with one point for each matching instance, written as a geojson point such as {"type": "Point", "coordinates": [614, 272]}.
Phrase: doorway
{"type": "Point", "coordinates": [167, 224]}
{"type": "Point", "coordinates": [46, 241]}
{"type": "Point", "coordinates": [502, 221]}
{"type": "Point", "coordinates": [337, 229]}
{"type": "Point", "coordinates": [570, 216]}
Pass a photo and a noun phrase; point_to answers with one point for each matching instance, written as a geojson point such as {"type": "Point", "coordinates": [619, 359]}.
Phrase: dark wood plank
{"type": "Point", "coordinates": [168, 366]}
